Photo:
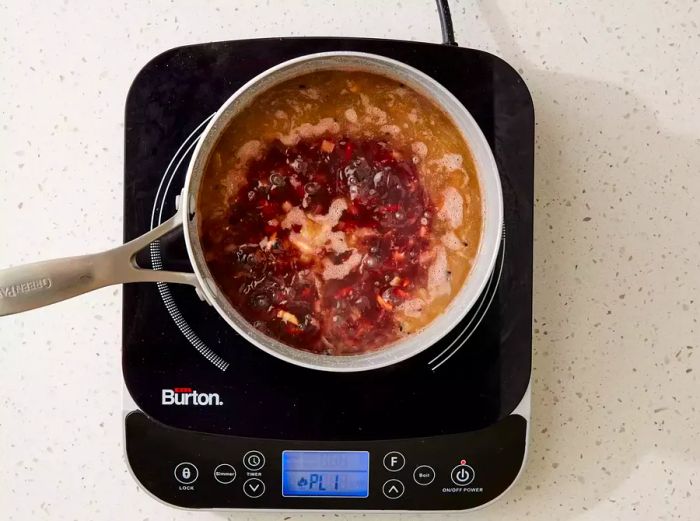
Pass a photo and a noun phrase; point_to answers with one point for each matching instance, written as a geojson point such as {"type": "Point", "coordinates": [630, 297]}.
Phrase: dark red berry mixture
{"type": "Point", "coordinates": [325, 282]}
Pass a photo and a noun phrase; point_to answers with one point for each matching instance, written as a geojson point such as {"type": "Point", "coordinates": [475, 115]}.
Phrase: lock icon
{"type": "Point", "coordinates": [186, 473]}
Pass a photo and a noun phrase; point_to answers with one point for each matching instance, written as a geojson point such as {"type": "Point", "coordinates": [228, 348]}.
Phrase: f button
{"type": "Point", "coordinates": [394, 461]}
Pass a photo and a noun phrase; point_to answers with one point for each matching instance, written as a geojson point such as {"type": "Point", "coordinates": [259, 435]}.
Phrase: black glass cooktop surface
{"type": "Point", "coordinates": [473, 377]}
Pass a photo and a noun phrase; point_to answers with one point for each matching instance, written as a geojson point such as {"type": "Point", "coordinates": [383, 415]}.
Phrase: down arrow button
{"type": "Point", "coordinates": [254, 487]}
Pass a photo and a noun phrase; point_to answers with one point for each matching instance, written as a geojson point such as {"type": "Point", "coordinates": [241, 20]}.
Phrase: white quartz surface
{"type": "Point", "coordinates": [616, 379]}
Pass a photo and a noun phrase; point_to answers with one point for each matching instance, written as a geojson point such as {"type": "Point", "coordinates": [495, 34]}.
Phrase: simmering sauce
{"type": "Point", "coordinates": [340, 212]}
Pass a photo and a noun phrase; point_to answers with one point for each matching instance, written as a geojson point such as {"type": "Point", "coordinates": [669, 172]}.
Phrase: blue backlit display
{"type": "Point", "coordinates": [325, 473]}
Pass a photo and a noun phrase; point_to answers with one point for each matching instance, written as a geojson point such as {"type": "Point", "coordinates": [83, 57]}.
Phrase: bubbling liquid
{"type": "Point", "coordinates": [340, 212]}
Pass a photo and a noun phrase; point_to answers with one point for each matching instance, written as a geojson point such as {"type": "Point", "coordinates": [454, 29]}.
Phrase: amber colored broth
{"type": "Point", "coordinates": [331, 94]}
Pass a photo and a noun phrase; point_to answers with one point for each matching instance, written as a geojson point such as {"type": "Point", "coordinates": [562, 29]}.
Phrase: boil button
{"type": "Point", "coordinates": [424, 475]}
{"type": "Point", "coordinates": [462, 475]}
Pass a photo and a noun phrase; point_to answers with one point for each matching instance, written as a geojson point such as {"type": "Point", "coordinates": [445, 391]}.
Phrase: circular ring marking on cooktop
{"type": "Point", "coordinates": [161, 197]}
{"type": "Point", "coordinates": [484, 303]}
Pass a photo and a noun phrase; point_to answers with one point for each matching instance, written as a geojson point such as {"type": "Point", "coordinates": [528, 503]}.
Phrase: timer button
{"type": "Point", "coordinates": [393, 489]}
{"type": "Point", "coordinates": [424, 475]}
{"type": "Point", "coordinates": [186, 473]}
{"type": "Point", "coordinates": [254, 487]}
{"type": "Point", "coordinates": [462, 475]}
{"type": "Point", "coordinates": [254, 460]}
{"type": "Point", "coordinates": [394, 461]}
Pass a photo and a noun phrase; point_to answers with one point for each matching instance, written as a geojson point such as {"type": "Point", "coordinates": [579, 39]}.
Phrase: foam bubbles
{"type": "Point", "coordinates": [449, 162]}
{"type": "Point", "coordinates": [338, 242]}
{"type": "Point", "coordinates": [392, 130]}
{"type": "Point", "coordinates": [310, 93]}
{"type": "Point", "coordinates": [351, 115]}
{"type": "Point", "coordinates": [308, 131]}
{"type": "Point", "coordinates": [412, 308]}
{"type": "Point", "coordinates": [335, 212]}
{"type": "Point", "coordinates": [373, 114]}
{"type": "Point", "coordinates": [438, 275]}
{"type": "Point", "coordinates": [420, 149]}
{"type": "Point", "coordinates": [451, 241]}
{"type": "Point", "coordinates": [342, 270]}
{"type": "Point", "coordinates": [295, 216]}
{"type": "Point", "coordinates": [315, 231]}
{"type": "Point", "coordinates": [249, 150]}
{"type": "Point", "coordinates": [452, 209]}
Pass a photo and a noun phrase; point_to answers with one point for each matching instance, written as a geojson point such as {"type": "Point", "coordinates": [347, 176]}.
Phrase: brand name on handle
{"type": "Point", "coordinates": [187, 396]}
{"type": "Point", "coordinates": [25, 287]}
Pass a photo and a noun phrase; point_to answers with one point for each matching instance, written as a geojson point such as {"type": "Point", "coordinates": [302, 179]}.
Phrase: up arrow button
{"type": "Point", "coordinates": [393, 489]}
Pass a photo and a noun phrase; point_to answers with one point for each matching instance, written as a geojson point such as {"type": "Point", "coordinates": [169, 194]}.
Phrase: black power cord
{"type": "Point", "coordinates": [448, 32]}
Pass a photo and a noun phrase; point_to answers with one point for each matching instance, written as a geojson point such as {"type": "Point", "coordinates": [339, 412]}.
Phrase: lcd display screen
{"type": "Point", "coordinates": [325, 473]}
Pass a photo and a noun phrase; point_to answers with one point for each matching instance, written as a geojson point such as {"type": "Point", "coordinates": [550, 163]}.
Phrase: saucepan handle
{"type": "Point", "coordinates": [35, 285]}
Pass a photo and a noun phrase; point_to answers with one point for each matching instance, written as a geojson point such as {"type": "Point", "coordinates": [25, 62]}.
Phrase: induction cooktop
{"type": "Point", "coordinates": [212, 422]}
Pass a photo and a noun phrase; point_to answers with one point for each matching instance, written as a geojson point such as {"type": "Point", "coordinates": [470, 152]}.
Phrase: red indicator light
{"type": "Point", "coordinates": [463, 462]}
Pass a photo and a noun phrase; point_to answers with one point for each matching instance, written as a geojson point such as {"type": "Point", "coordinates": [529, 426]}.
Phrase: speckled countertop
{"type": "Point", "coordinates": [616, 381]}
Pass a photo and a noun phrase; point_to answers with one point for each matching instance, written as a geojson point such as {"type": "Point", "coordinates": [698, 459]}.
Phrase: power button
{"type": "Point", "coordinates": [462, 475]}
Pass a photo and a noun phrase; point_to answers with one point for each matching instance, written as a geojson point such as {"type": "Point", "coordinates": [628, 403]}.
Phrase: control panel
{"type": "Point", "coordinates": [450, 472]}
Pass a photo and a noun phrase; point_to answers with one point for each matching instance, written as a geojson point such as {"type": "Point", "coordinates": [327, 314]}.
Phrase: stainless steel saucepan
{"type": "Point", "coordinates": [31, 286]}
